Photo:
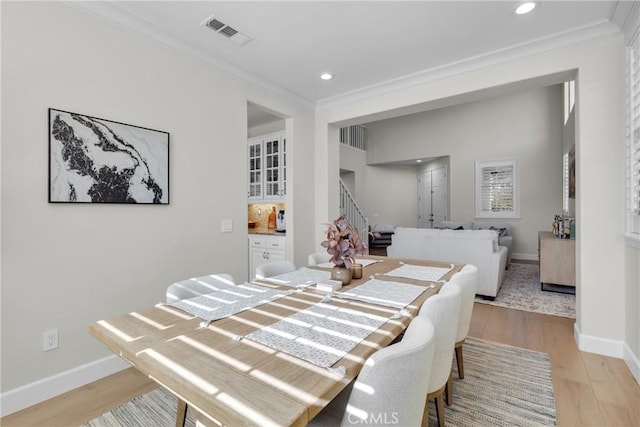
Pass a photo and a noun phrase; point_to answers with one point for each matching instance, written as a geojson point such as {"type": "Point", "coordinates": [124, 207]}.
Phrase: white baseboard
{"type": "Point", "coordinates": [611, 348]}
{"type": "Point", "coordinates": [46, 388]}
{"type": "Point", "coordinates": [527, 257]}
{"type": "Point", "coordinates": [632, 362]}
{"type": "Point", "coordinates": [603, 346]}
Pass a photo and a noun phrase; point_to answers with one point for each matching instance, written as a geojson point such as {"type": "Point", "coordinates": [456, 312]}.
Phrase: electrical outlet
{"type": "Point", "coordinates": [227, 226]}
{"type": "Point", "coordinates": [50, 340]}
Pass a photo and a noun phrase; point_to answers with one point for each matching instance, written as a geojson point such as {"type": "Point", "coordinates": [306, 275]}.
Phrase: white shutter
{"type": "Point", "coordinates": [497, 189]}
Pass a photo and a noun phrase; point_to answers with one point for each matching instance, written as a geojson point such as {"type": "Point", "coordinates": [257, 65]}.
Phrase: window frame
{"type": "Point", "coordinates": [515, 196]}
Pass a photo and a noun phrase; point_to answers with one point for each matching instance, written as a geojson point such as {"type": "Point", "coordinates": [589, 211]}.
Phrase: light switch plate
{"type": "Point", "coordinates": [227, 226]}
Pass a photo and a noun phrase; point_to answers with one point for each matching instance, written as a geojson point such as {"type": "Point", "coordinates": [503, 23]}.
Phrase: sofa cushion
{"type": "Point", "coordinates": [473, 235]}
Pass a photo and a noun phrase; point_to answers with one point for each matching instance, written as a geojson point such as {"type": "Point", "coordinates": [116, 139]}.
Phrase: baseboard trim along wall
{"type": "Point", "coordinates": [526, 257]}
{"type": "Point", "coordinates": [632, 362]}
{"type": "Point", "coordinates": [606, 347]}
{"type": "Point", "coordinates": [47, 388]}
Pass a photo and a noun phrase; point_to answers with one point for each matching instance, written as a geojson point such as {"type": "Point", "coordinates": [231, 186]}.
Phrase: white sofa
{"type": "Point", "coordinates": [477, 247]}
{"type": "Point", "coordinates": [505, 238]}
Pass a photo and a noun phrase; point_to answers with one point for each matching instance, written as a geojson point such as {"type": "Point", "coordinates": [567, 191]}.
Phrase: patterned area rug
{"type": "Point", "coordinates": [503, 386]}
{"type": "Point", "coordinates": [521, 291]}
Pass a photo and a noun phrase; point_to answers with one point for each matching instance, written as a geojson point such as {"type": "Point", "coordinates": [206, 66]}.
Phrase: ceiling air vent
{"type": "Point", "coordinates": [231, 33]}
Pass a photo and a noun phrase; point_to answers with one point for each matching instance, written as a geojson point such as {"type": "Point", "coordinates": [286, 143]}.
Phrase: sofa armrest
{"type": "Point", "coordinates": [506, 241]}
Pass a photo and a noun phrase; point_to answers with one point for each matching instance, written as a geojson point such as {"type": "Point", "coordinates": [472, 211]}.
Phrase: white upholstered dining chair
{"type": "Point", "coordinates": [197, 286]}
{"type": "Point", "coordinates": [467, 281]}
{"type": "Point", "coordinates": [318, 258]}
{"type": "Point", "coordinates": [274, 268]}
{"type": "Point", "coordinates": [443, 311]}
{"type": "Point", "coordinates": [391, 386]}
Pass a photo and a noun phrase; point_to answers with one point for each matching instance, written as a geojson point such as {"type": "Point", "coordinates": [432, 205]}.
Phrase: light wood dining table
{"type": "Point", "coordinates": [235, 382]}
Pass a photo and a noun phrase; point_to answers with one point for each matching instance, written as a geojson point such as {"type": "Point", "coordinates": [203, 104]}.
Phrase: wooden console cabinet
{"type": "Point", "coordinates": [557, 259]}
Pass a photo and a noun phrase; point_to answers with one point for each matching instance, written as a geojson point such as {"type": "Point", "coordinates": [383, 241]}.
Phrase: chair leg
{"type": "Point", "coordinates": [460, 361]}
{"type": "Point", "coordinates": [438, 395]}
{"type": "Point", "coordinates": [449, 389]}
{"type": "Point", "coordinates": [181, 414]}
{"type": "Point", "coordinates": [440, 410]}
{"type": "Point", "coordinates": [425, 414]}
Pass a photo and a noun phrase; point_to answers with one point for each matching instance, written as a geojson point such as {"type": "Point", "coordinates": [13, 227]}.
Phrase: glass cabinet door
{"type": "Point", "coordinates": [272, 167]}
{"type": "Point", "coordinates": [255, 170]}
{"type": "Point", "coordinates": [267, 171]}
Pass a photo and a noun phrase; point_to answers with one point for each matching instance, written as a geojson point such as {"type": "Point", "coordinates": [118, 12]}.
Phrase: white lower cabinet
{"type": "Point", "coordinates": [264, 249]}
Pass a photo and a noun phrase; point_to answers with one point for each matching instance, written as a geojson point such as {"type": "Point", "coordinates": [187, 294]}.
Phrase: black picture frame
{"type": "Point", "coordinates": [94, 160]}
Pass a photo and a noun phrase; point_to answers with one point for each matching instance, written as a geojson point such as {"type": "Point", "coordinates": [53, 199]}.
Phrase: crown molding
{"type": "Point", "coordinates": [112, 14]}
{"type": "Point", "coordinates": [115, 15]}
{"type": "Point", "coordinates": [584, 34]}
{"type": "Point", "coordinates": [626, 15]}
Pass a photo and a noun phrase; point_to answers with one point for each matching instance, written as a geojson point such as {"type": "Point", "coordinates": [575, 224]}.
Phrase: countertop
{"type": "Point", "coordinates": [264, 230]}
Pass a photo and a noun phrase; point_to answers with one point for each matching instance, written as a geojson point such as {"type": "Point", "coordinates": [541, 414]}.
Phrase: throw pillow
{"type": "Point", "coordinates": [501, 231]}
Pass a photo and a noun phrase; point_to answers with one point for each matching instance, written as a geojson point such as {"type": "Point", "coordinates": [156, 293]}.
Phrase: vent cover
{"type": "Point", "coordinates": [227, 31]}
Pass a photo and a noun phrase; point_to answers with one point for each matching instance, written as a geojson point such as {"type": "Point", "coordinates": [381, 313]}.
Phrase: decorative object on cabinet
{"type": "Point", "coordinates": [281, 224]}
{"type": "Point", "coordinates": [267, 167]}
{"type": "Point", "coordinates": [94, 160]}
{"type": "Point", "coordinates": [271, 224]}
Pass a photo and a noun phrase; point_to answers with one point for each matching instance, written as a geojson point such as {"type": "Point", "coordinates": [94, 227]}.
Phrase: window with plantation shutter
{"type": "Point", "coordinates": [497, 190]}
{"type": "Point", "coordinates": [633, 138]}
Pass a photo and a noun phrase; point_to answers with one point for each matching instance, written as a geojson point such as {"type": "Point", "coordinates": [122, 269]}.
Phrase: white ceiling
{"type": "Point", "coordinates": [366, 44]}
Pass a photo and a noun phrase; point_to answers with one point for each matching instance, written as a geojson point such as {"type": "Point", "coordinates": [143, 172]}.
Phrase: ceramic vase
{"type": "Point", "coordinates": [342, 274]}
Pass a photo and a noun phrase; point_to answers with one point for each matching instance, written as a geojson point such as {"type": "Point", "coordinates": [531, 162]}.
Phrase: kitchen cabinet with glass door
{"type": "Point", "coordinates": [267, 167]}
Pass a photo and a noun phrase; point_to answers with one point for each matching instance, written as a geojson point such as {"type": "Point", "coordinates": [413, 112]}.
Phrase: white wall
{"type": "Point", "coordinates": [272, 127]}
{"type": "Point", "coordinates": [380, 190]}
{"type": "Point", "coordinates": [601, 316]}
{"type": "Point", "coordinates": [66, 265]}
{"type": "Point", "coordinates": [526, 126]}
{"type": "Point", "coordinates": [632, 305]}
{"type": "Point", "coordinates": [390, 195]}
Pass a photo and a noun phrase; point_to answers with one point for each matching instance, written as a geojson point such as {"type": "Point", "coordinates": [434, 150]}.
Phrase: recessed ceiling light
{"type": "Point", "coordinates": [419, 161]}
{"type": "Point", "coordinates": [525, 7]}
{"type": "Point", "coordinates": [326, 76]}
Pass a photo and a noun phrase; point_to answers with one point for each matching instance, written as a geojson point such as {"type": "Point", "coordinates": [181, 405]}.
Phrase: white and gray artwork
{"type": "Point", "coordinates": [93, 160]}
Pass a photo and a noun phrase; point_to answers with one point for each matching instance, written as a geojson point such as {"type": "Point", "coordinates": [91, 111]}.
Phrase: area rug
{"type": "Point", "coordinates": [154, 409]}
{"type": "Point", "coordinates": [503, 386]}
{"type": "Point", "coordinates": [520, 290]}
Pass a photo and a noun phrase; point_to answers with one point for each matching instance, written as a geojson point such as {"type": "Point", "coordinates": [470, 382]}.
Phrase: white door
{"type": "Point", "coordinates": [432, 197]}
{"type": "Point", "coordinates": [439, 196]}
{"type": "Point", "coordinates": [424, 199]}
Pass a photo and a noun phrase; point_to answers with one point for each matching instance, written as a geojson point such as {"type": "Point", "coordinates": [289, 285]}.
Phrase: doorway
{"type": "Point", "coordinates": [433, 196]}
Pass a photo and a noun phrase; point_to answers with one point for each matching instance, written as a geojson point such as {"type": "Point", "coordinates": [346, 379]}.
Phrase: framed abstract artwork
{"type": "Point", "coordinates": [93, 160]}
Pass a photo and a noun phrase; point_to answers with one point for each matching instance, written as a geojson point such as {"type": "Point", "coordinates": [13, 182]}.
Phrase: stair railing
{"type": "Point", "coordinates": [355, 216]}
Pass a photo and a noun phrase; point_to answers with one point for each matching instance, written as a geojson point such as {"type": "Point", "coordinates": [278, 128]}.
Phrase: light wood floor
{"type": "Point", "coordinates": [590, 390]}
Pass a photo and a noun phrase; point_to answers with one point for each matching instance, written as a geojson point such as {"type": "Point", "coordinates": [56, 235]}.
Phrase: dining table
{"type": "Point", "coordinates": [249, 367]}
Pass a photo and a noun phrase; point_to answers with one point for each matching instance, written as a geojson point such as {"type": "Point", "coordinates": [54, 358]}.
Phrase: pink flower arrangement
{"type": "Point", "coordinates": [343, 242]}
